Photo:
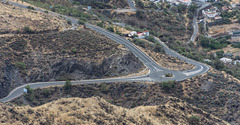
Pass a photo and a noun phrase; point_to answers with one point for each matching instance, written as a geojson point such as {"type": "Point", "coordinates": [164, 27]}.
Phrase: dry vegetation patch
{"type": "Point", "coordinates": [96, 110]}
{"type": "Point", "coordinates": [216, 93]}
{"type": "Point", "coordinates": [167, 61]}
{"type": "Point", "coordinates": [14, 19]}
{"type": "Point", "coordinates": [219, 30]}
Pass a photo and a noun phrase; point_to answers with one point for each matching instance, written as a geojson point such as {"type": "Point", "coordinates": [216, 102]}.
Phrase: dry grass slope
{"type": "Point", "coordinates": [95, 110]}
{"type": "Point", "coordinates": [14, 19]}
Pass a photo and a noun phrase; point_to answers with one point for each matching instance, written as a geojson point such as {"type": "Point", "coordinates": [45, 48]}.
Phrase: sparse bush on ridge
{"type": "Point", "coordinates": [67, 86]}
{"type": "Point", "coordinates": [167, 85]}
{"type": "Point", "coordinates": [28, 30]}
{"type": "Point", "coordinates": [194, 120]}
{"type": "Point", "coordinates": [31, 8]}
{"type": "Point", "coordinates": [21, 65]}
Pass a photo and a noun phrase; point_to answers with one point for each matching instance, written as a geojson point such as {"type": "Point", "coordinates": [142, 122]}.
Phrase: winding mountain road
{"type": "Point", "coordinates": [195, 24]}
{"type": "Point", "coordinates": [156, 72]}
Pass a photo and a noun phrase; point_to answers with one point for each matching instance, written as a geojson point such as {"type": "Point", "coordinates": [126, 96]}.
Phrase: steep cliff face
{"type": "Point", "coordinates": [73, 55]}
{"type": "Point", "coordinates": [9, 78]}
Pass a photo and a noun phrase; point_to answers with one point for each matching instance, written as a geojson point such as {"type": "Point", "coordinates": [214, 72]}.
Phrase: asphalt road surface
{"type": "Point", "coordinates": [195, 24]}
{"type": "Point", "coordinates": [156, 72]}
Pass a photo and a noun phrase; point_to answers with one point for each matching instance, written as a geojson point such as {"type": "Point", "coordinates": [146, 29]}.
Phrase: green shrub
{"type": "Point", "coordinates": [168, 85]}
{"type": "Point", "coordinates": [21, 65]}
{"type": "Point", "coordinates": [74, 50]}
{"type": "Point", "coordinates": [168, 75]}
{"type": "Point", "coordinates": [140, 43]}
{"type": "Point", "coordinates": [100, 24]}
{"type": "Point", "coordinates": [69, 22]}
{"type": "Point", "coordinates": [31, 8]}
{"type": "Point", "coordinates": [218, 64]}
{"type": "Point", "coordinates": [220, 54]}
{"type": "Point", "coordinates": [29, 89]}
{"type": "Point", "coordinates": [81, 22]}
{"type": "Point", "coordinates": [46, 92]}
{"type": "Point", "coordinates": [104, 88]}
{"type": "Point", "coordinates": [67, 86]}
{"type": "Point", "coordinates": [28, 30]}
{"type": "Point", "coordinates": [151, 39]}
{"type": "Point", "coordinates": [194, 120]}
{"type": "Point", "coordinates": [110, 29]}
{"type": "Point", "coordinates": [158, 48]}
{"type": "Point", "coordinates": [213, 44]}
{"type": "Point", "coordinates": [235, 45]}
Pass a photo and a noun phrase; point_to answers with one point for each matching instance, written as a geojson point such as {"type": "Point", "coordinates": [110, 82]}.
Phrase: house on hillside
{"type": "Point", "coordinates": [210, 13]}
{"type": "Point", "coordinates": [236, 62]}
{"type": "Point", "coordinates": [226, 60]}
{"type": "Point", "coordinates": [140, 35]}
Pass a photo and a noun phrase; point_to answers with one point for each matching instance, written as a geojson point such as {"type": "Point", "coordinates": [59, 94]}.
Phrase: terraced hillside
{"type": "Point", "coordinates": [74, 55]}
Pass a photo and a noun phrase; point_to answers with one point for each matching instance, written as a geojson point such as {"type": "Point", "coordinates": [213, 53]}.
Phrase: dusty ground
{"type": "Point", "coordinates": [223, 29]}
{"type": "Point", "coordinates": [14, 19]}
{"type": "Point", "coordinates": [235, 39]}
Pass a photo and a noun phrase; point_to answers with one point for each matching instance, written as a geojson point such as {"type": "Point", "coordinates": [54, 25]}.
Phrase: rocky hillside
{"type": "Point", "coordinates": [215, 93]}
{"type": "Point", "coordinates": [105, 4]}
{"type": "Point", "coordinates": [167, 25]}
{"type": "Point", "coordinates": [74, 55]}
{"type": "Point", "coordinates": [18, 20]}
{"type": "Point", "coordinates": [96, 110]}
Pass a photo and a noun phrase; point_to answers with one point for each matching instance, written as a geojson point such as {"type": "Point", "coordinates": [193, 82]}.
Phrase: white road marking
{"type": "Point", "coordinates": [193, 72]}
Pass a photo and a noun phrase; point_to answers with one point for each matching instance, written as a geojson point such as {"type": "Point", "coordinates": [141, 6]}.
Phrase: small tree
{"type": "Point", "coordinates": [100, 24]}
{"type": "Point", "coordinates": [168, 75]}
{"type": "Point", "coordinates": [21, 65]}
{"type": "Point", "coordinates": [168, 85]}
{"type": "Point", "coordinates": [29, 89]}
{"type": "Point", "coordinates": [81, 22]}
{"type": "Point", "coordinates": [220, 53]}
{"type": "Point", "coordinates": [110, 29]}
{"type": "Point", "coordinates": [31, 8]}
{"type": "Point", "coordinates": [69, 22]}
{"type": "Point", "coordinates": [28, 30]}
{"type": "Point", "coordinates": [194, 120]}
{"type": "Point", "coordinates": [67, 86]}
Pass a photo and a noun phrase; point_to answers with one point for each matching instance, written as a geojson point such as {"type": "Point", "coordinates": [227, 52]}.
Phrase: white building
{"type": "Point", "coordinates": [236, 62]}
{"type": "Point", "coordinates": [210, 13]}
{"type": "Point", "coordinates": [141, 35]}
{"type": "Point", "coordinates": [226, 60]}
